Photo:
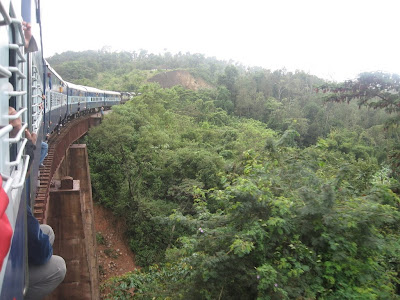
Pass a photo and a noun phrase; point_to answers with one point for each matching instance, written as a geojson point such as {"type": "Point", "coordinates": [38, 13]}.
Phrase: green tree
{"type": "Point", "coordinates": [228, 79]}
{"type": "Point", "coordinates": [282, 230]}
{"type": "Point", "coordinates": [375, 90]}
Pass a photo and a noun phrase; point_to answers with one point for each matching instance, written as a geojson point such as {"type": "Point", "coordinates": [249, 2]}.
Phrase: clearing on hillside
{"type": "Point", "coordinates": [179, 77]}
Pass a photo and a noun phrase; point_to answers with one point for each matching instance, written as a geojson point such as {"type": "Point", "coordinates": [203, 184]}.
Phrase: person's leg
{"type": "Point", "coordinates": [49, 231]}
{"type": "Point", "coordinates": [45, 278]}
{"type": "Point", "coordinates": [43, 152]}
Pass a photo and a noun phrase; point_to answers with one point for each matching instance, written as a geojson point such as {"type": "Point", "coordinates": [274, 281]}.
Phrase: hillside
{"type": "Point", "coordinates": [179, 77]}
{"type": "Point", "coordinates": [264, 187]}
{"type": "Point", "coordinates": [221, 207]}
{"type": "Point", "coordinates": [127, 71]}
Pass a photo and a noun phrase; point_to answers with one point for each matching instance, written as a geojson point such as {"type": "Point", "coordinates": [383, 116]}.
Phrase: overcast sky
{"type": "Point", "coordinates": [333, 39]}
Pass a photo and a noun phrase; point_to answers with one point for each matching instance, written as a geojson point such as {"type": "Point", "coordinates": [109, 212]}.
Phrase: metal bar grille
{"type": "Point", "coordinates": [37, 105]}
{"type": "Point", "coordinates": [6, 18]}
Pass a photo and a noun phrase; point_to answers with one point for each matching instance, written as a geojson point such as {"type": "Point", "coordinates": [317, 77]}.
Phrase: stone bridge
{"type": "Point", "coordinates": [64, 201]}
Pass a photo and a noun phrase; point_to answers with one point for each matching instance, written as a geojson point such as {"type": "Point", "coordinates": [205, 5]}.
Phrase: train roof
{"type": "Point", "coordinates": [53, 71]}
{"type": "Point", "coordinates": [75, 86]}
{"type": "Point", "coordinates": [112, 93]}
{"type": "Point", "coordinates": [93, 90]}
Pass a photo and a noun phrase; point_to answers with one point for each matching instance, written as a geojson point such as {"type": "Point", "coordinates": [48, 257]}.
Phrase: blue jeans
{"type": "Point", "coordinates": [43, 152]}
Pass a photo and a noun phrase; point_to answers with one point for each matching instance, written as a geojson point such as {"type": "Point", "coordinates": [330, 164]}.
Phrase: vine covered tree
{"type": "Point", "coordinates": [374, 90]}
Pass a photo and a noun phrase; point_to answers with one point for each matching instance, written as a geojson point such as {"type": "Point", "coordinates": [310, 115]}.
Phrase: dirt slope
{"type": "Point", "coordinates": [113, 253]}
{"type": "Point", "coordinates": [179, 77]}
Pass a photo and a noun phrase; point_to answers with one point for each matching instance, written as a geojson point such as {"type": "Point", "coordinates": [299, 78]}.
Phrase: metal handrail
{"type": "Point", "coordinates": [4, 72]}
{"type": "Point", "coordinates": [23, 174]}
{"type": "Point", "coordinates": [7, 19]}
{"type": "Point", "coordinates": [19, 155]}
{"type": "Point", "coordinates": [19, 134]}
{"type": "Point", "coordinates": [18, 49]}
{"type": "Point", "coordinates": [17, 94]}
{"type": "Point", "coordinates": [9, 180]}
{"type": "Point", "coordinates": [14, 40]}
{"type": "Point", "coordinates": [6, 129]}
{"type": "Point", "coordinates": [17, 115]}
{"type": "Point", "coordinates": [18, 24]}
{"type": "Point", "coordinates": [36, 124]}
{"type": "Point", "coordinates": [16, 70]}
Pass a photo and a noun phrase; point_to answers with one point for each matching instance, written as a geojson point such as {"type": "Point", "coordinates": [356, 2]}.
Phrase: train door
{"type": "Point", "coordinates": [14, 164]}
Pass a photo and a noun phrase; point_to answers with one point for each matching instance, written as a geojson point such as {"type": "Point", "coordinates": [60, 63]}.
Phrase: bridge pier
{"type": "Point", "coordinates": [70, 213]}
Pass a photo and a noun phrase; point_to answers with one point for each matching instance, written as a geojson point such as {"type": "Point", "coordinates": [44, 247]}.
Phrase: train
{"type": "Point", "coordinates": [44, 102]}
{"type": "Point", "coordinates": [66, 101]}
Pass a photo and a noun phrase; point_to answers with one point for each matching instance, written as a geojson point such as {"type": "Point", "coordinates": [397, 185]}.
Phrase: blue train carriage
{"type": "Point", "coordinates": [111, 98]}
{"type": "Point", "coordinates": [35, 92]}
{"type": "Point", "coordinates": [126, 96]}
{"type": "Point", "coordinates": [56, 100]}
{"type": "Point", "coordinates": [76, 99]}
{"type": "Point", "coordinates": [94, 99]}
{"type": "Point", "coordinates": [21, 88]}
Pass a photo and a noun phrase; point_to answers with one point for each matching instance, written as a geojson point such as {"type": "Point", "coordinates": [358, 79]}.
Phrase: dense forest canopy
{"type": "Point", "coordinates": [259, 187]}
{"type": "Point", "coordinates": [278, 98]}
